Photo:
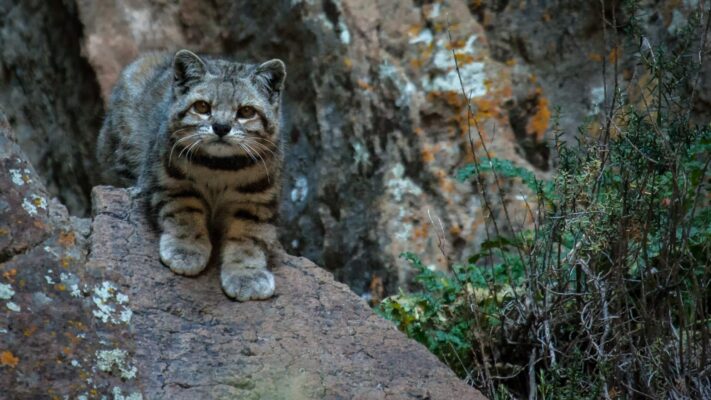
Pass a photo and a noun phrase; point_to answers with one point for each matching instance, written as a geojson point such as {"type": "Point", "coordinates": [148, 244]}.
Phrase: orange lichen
{"type": "Point", "coordinates": [420, 232]}
{"type": "Point", "coordinates": [73, 339]}
{"type": "Point", "coordinates": [455, 230]}
{"type": "Point", "coordinates": [452, 98]}
{"type": "Point", "coordinates": [463, 58]}
{"type": "Point", "coordinates": [455, 44]}
{"type": "Point", "coordinates": [363, 85]}
{"type": "Point", "coordinates": [423, 57]}
{"type": "Point", "coordinates": [414, 30]}
{"type": "Point", "coordinates": [30, 331]}
{"type": "Point", "coordinates": [4, 232]}
{"type": "Point", "coordinates": [348, 63]}
{"type": "Point", "coordinates": [61, 287]}
{"type": "Point", "coordinates": [427, 154]}
{"type": "Point", "coordinates": [9, 359]}
{"type": "Point", "coordinates": [446, 184]}
{"type": "Point", "coordinates": [614, 55]}
{"type": "Point", "coordinates": [440, 26]}
{"type": "Point", "coordinates": [10, 275]}
{"type": "Point", "coordinates": [538, 123]}
{"type": "Point", "coordinates": [596, 57]}
{"type": "Point", "coordinates": [485, 108]}
{"type": "Point", "coordinates": [66, 239]}
{"type": "Point", "coordinates": [77, 325]}
{"type": "Point", "coordinates": [64, 261]}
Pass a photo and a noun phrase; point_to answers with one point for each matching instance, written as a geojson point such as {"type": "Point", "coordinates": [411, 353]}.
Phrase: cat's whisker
{"type": "Point", "coordinates": [274, 145]}
{"type": "Point", "coordinates": [264, 164]}
{"type": "Point", "coordinates": [170, 156]}
{"type": "Point", "coordinates": [187, 148]}
{"type": "Point", "coordinates": [249, 153]}
{"type": "Point", "coordinates": [249, 150]}
{"type": "Point", "coordinates": [261, 146]}
{"type": "Point", "coordinates": [191, 150]}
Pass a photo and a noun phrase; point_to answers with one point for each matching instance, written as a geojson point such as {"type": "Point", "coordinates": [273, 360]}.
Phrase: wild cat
{"type": "Point", "coordinates": [200, 138]}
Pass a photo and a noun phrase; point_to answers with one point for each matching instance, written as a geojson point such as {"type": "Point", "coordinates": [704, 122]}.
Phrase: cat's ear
{"type": "Point", "coordinates": [270, 76]}
{"type": "Point", "coordinates": [187, 68]}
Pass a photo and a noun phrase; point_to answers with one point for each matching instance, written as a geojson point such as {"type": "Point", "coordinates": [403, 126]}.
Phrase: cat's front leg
{"type": "Point", "coordinates": [244, 255]}
{"type": "Point", "coordinates": [184, 241]}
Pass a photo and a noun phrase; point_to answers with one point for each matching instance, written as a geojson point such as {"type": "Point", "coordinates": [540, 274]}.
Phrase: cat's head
{"type": "Point", "coordinates": [225, 108]}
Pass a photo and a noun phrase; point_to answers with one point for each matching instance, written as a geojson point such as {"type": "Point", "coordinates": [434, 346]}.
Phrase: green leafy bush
{"type": "Point", "coordinates": [608, 295]}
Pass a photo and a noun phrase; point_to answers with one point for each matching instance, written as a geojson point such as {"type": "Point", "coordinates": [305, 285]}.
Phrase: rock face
{"type": "Point", "coordinates": [86, 309]}
{"type": "Point", "coordinates": [50, 95]}
{"type": "Point", "coordinates": [375, 122]}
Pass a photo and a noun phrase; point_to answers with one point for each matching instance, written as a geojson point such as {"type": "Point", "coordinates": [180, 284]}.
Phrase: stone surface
{"type": "Point", "coordinates": [52, 308]}
{"type": "Point", "coordinates": [87, 309]}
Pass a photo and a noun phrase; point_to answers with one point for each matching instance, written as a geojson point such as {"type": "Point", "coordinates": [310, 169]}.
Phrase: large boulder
{"type": "Point", "coordinates": [87, 311]}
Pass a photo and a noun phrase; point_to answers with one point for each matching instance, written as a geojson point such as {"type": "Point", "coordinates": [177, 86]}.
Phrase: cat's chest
{"type": "Point", "coordinates": [219, 190]}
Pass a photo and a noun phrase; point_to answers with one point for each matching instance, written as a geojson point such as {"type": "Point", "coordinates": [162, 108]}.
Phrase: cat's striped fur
{"type": "Point", "coordinates": [200, 138]}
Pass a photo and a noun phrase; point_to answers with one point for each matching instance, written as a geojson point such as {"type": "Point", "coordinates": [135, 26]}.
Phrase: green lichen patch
{"type": "Point", "coordinates": [6, 291]}
{"type": "Point", "coordinates": [115, 362]}
{"type": "Point", "coordinates": [112, 306]}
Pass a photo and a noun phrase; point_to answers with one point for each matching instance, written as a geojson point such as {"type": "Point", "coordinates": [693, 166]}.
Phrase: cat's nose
{"type": "Point", "coordinates": [221, 129]}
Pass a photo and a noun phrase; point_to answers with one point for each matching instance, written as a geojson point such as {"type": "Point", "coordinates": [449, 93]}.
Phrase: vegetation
{"type": "Point", "coordinates": [608, 294]}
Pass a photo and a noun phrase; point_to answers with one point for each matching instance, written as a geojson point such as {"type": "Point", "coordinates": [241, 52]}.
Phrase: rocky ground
{"type": "Point", "coordinates": [87, 310]}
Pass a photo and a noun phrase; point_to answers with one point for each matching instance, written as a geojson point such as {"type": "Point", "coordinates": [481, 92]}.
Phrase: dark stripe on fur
{"type": "Point", "coordinates": [232, 163]}
{"type": "Point", "coordinates": [259, 242]}
{"type": "Point", "coordinates": [244, 214]}
{"type": "Point", "coordinates": [256, 187]}
{"type": "Point", "coordinates": [170, 197]}
{"type": "Point", "coordinates": [189, 210]}
{"type": "Point", "coordinates": [173, 171]}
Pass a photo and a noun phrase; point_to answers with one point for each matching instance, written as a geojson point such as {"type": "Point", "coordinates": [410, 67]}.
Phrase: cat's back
{"type": "Point", "coordinates": [132, 116]}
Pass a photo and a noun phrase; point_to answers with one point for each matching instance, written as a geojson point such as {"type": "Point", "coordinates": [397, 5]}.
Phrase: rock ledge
{"type": "Point", "coordinates": [88, 310]}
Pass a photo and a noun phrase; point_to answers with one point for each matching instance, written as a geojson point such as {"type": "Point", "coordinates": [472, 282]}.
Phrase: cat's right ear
{"type": "Point", "coordinates": [188, 67]}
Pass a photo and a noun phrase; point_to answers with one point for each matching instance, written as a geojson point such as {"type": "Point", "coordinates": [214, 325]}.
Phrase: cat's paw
{"type": "Point", "coordinates": [247, 284]}
{"type": "Point", "coordinates": [184, 256]}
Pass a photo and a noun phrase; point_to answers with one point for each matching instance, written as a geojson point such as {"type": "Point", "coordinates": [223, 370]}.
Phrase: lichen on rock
{"type": "Point", "coordinates": [115, 361]}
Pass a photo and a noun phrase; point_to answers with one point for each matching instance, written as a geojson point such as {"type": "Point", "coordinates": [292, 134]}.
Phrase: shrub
{"type": "Point", "coordinates": [608, 294]}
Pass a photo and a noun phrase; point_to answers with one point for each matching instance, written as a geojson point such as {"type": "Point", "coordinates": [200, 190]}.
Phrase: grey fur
{"type": "Point", "coordinates": [208, 176]}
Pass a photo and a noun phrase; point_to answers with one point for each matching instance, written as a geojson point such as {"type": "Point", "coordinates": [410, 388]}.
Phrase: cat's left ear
{"type": "Point", "coordinates": [188, 67]}
{"type": "Point", "coordinates": [271, 75]}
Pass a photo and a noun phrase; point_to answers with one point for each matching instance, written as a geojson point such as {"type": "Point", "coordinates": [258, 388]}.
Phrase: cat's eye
{"type": "Point", "coordinates": [246, 112]}
{"type": "Point", "coordinates": [201, 107]}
